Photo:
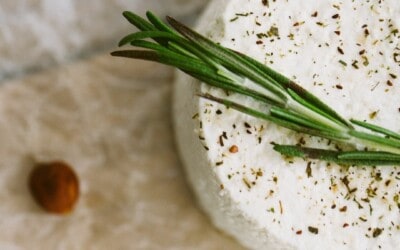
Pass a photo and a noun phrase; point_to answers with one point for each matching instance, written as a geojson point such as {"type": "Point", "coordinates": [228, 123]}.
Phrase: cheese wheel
{"type": "Point", "coordinates": [345, 52]}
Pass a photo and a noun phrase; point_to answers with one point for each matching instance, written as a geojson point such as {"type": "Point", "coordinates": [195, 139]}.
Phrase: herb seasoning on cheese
{"type": "Point", "coordinates": [345, 52]}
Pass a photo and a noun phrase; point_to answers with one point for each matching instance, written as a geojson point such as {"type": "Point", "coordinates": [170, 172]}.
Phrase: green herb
{"type": "Point", "coordinates": [313, 230]}
{"type": "Point", "coordinates": [289, 105]}
{"type": "Point", "coordinates": [343, 62]}
{"type": "Point", "coordinates": [377, 232]}
{"type": "Point", "coordinates": [309, 170]}
{"type": "Point", "coordinates": [273, 31]}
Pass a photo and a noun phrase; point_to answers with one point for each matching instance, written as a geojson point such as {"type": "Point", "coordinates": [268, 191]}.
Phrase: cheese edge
{"type": "Point", "coordinates": [198, 167]}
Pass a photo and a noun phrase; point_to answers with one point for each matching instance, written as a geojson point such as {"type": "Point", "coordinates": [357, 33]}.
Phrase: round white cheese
{"type": "Point", "coordinates": [345, 52]}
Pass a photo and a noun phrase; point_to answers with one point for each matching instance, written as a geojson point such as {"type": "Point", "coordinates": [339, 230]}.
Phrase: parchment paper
{"type": "Point", "coordinates": [110, 119]}
{"type": "Point", "coordinates": [37, 34]}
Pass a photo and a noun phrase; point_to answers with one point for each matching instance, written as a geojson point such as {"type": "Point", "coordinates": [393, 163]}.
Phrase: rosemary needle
{"type": "Point", "coordinates": [289, 104]}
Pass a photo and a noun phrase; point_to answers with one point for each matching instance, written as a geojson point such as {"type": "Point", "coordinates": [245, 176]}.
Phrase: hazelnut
{"type": "Point", "coordinates": [54, 186]}
{"type": "Point", "coordinates": [233, 149]}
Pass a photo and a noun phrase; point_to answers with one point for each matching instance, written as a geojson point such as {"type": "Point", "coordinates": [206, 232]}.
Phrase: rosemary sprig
{"type": "Point", "coordinates": [289, 105]}
{"type": "Point", "coordinates": [360, 158]}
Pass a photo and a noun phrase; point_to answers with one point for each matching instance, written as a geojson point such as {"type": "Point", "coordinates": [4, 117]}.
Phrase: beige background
{"type": "Point", "coordinates": [110, 118]}
{"type": "Point", "coordinates": [37, 34]}
{"type": "Point", "coordinates": [62, 97]}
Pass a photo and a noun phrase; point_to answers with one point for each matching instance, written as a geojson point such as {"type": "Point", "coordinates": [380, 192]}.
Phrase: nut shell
{"type": "Point", "coordinates": [54, 186]}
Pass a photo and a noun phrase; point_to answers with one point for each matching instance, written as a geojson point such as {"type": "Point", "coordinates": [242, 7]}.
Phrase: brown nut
{"type": "Point", "coordinates": [54, 186]}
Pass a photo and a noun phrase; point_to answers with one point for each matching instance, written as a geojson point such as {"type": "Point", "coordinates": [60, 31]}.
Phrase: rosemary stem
{"type": "Point", "coordinates": [228, 74]}
{"type": "Point", "coordinates": [294, 105]}
{"type": "Point", "coordinates": [373, 145]}
{"type": "Point", "coordinates": [287, 103]}
{"type": "Point", "coordinates": [223, 71]}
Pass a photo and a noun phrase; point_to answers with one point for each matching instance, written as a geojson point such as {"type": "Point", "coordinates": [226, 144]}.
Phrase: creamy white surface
{"type": "Point", "coordinates": [269, 210]}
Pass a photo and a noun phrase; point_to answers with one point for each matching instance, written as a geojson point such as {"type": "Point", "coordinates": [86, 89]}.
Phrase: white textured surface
{"type": "Point", "coordinates": [110, 119]}
{"type": "Point", "coordinates": [264, 200]}
{"type": "Point", "coordinates": [35, 34]}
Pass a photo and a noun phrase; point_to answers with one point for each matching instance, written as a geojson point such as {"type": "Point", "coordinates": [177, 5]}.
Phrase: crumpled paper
{"type": "Point", "coordinates": [36, 34]}
{"type": "Point", "coordinates": [110, 119]}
